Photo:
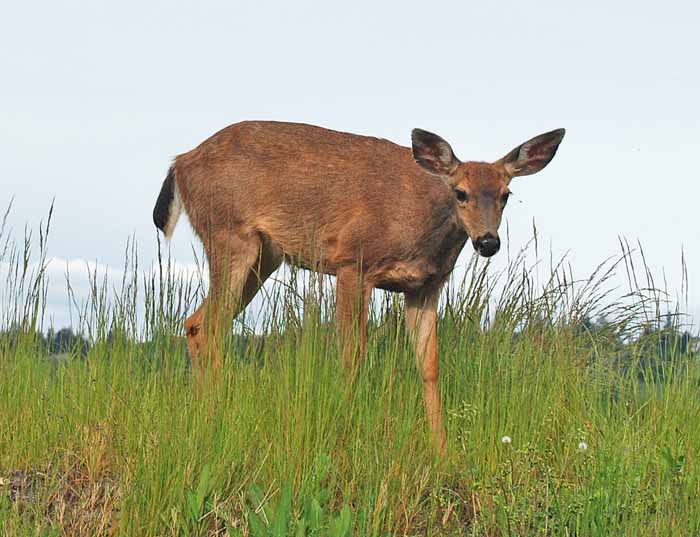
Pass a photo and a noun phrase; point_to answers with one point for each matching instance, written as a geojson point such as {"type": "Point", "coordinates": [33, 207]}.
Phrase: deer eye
{"type": "Point", "coordinates": [461, 195]}
{"type": "Point", "coordinates": [504, 197]}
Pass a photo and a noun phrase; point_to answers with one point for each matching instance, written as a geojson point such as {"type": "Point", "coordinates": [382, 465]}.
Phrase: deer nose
{"type": "Point", "coordinates": [487, 245]}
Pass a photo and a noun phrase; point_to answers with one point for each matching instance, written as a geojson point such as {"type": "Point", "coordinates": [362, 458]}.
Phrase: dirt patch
{"type": "Point", "coordinates": [65, 498]}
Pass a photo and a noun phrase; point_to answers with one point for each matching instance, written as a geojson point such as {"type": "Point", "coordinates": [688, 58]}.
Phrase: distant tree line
{"type": "Point", "coordinates": [651, 351]}
{"type": "Point", "coordinates": [63, 341]}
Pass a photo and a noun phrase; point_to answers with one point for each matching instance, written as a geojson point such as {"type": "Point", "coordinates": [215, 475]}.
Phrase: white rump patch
{"type": "Point", "coordinates": [174, 212]}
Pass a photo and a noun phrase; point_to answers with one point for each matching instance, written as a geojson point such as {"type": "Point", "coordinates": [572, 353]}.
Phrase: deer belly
{"type": "Point", "coordinates": [404, 276]}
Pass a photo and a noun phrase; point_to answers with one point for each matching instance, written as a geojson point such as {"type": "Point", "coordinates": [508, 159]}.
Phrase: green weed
{"type": "Point", "coordinates": [102, 434]}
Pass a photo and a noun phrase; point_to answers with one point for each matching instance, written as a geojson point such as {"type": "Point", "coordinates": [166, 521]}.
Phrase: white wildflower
{"type": "Point", "coordinates": [582, 446]}
{"type": "Point", "coordinates": [506, 439]}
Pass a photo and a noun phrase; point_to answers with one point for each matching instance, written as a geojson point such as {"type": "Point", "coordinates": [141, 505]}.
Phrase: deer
{"type": "Point", "coordinates": [370, 212]}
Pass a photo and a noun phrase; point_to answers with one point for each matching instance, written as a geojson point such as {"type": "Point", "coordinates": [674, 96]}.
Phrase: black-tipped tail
{"type": "Point", "coordinates": [161, 212]}
{"type": "Point", "coordinates": [168, 205]}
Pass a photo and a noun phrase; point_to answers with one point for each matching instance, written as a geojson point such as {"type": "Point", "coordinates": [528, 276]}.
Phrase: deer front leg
{"type": "Point", "coordinates": [421, 321]}
{"type": "Point", "coordinates": [352, 299]}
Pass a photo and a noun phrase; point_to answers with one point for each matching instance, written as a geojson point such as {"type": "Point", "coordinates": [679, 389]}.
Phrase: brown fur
{"type": "Point", "coordinates": [371, 212]}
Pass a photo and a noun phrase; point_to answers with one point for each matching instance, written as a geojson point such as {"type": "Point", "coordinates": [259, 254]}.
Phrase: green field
{"type": "Point", "coordinates": [108, 439]}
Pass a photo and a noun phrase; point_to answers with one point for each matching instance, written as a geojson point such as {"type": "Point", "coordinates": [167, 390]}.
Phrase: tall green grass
{"type": "Point", "coordinates": [604, 436]}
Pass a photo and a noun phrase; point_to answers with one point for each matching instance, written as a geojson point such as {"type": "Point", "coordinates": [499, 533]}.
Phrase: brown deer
{"type": "Point", "coordinates": [372, 213]}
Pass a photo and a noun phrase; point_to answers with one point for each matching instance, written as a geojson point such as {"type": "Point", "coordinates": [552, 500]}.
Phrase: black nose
{"type": "Point", "coordinates": [487, 245]}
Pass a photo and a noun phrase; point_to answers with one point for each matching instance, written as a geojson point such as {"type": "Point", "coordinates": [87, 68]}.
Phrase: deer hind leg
{"type": "Point", "coordinates": [352, 302]}
{"type": "Point", "coordinates": [421, 322]}
{"type": "Point", "coordinates": [238, 264]}
{"type": "Point", "coordinates": [268, 262]}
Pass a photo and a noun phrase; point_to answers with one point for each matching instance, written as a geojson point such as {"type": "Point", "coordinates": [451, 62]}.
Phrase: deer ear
{"type": "Point", "coordinates": [533, 155]}
{"type": "Point", "coordinates": [432, 153]}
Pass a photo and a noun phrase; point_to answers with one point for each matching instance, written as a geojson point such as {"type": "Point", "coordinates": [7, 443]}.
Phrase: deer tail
{"type": "Point", "coordinates": [168, 205]}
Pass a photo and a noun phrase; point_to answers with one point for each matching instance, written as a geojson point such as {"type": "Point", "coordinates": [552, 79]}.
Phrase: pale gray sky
{"type": "Point", "coordinates": [96, 97]}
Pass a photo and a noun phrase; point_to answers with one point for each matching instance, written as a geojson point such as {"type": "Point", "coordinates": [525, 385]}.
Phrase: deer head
{"type": "Point", "coordinates": [481, 188]}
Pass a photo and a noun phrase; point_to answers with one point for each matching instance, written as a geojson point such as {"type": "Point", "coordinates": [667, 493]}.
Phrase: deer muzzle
{"type": "Point", "coordinates": [486, 245]}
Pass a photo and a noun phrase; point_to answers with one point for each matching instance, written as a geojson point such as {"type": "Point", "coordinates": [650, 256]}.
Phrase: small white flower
{"type": "Point", "coordinates": [582, 446]}
{"type": "Point", "coordinates": [506, 440]}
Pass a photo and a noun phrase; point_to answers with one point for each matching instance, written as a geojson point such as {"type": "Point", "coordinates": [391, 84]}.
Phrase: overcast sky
{"type": "Point", "coordinates": [97, 97]}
